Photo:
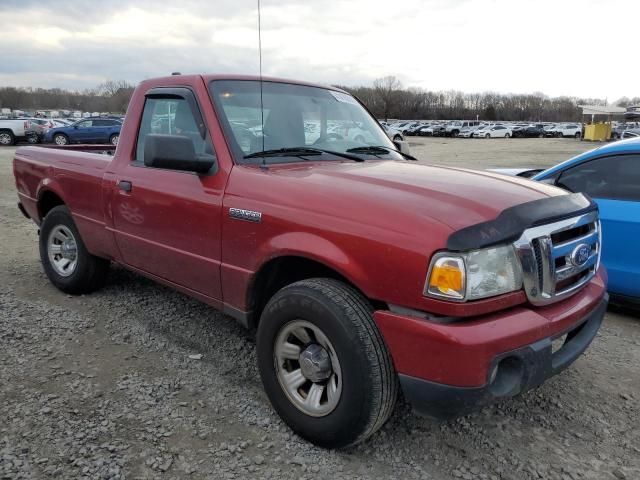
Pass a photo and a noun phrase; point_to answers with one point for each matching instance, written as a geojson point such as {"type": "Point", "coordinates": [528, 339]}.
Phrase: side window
{"type": "Point", "coordinates": [173, 116]}
{"type": "Point", "coordinates": [85, 124]}
{"type": "Point", "coordinates": [615, 178]}
{"type": "Point", "coordinates": [100, 123]}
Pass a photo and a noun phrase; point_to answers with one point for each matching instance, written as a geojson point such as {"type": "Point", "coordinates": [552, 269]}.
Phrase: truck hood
{"type": "Point", "coordinates": [454, 197]}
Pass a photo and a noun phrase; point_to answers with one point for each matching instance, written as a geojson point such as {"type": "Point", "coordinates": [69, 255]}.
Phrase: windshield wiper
{"type": "Point", "coordinates": [301, 152]}
{"type": "Point", "coordinates": [377, 149]}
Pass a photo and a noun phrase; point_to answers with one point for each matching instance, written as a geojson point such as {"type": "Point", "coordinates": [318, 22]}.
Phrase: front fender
{"type": "Point", "coordinates": [317, 248]}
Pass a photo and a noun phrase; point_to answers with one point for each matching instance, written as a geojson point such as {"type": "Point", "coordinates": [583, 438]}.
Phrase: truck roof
{"type": "Point", "coordinates": [175, 79]}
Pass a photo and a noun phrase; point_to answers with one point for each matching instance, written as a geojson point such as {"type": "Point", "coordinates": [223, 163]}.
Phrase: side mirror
{"type": "Point", "coordinates": [175, 152]}
{"type": "Point", "coordinates": [403, 146]}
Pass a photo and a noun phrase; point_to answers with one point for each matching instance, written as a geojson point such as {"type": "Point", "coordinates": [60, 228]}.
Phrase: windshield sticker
{"type": "Point", "coordinates": [343, 97]}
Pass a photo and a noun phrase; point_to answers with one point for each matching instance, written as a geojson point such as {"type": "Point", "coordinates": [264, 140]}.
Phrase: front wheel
{"type": "Point", "coordinates": [506, 135]}
{"type": "Point", "coordinates": [397, 138]}
{"type": "Point", "coordinates": [7, 138]}
{"type": "Point", "coordinates": [60, 139]}
{"type": "Point", "coordinates": [577, 135]}
{"type": "Point", "coordinates": [66, 261]}
{"type": "Point", "coordinates": [324, 364]}
{"type": "Point", "coordinates": [113, 139]}
{"type": "Point", "coordinates": [488, 135]}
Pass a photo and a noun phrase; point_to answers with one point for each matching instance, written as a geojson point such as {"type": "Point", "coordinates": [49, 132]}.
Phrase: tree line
{"type": "Point", "coordinates": [111, 96]}
{"type": "Point", "coordinates": [388, 99]}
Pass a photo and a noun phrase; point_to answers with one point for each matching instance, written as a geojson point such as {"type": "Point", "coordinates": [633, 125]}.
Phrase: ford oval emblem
{"type": "Point", "coordinates": [580, 254]}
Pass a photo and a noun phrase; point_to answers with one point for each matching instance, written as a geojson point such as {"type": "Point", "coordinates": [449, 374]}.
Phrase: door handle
{"type": "Point", "coordinates": [125, 185]}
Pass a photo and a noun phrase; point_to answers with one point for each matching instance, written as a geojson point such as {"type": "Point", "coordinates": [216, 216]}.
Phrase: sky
{"type": "Point", "coordinates": [562, 47]}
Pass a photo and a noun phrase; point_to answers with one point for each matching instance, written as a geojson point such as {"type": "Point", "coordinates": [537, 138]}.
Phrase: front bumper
{"type": "Point", "coordinates": [515, 372]}
{"type": "Point", "coordinates": [446, 366]}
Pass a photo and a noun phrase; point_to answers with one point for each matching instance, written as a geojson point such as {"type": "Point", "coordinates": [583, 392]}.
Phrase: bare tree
{"type": "Point", "coordinates": [387, 90]}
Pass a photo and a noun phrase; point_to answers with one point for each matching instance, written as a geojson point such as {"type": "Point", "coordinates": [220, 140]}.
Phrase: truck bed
{"type": "Point", "coordinates": [71, 175]}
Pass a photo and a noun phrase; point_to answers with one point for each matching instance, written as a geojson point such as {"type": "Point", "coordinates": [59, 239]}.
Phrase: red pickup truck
{"type": "Point", "coordinates": [362, 271]}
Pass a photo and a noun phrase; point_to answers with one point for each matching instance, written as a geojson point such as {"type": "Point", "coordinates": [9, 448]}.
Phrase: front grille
{"type": "Point", "coordinates": [559, 258]}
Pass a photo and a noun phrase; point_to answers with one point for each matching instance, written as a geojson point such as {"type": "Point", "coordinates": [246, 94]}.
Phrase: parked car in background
{"type": "Point", "coordinates": [530, 131]}
{"type": "Point", "coordinates": [495, 131]}
{"type": "Point", "coordinates": [631, 133]}
{"type": "Point", "coordinates": [88, 130]}
{"type": "Point", "coordinates": [618, 130]}
{"type": "Point", "coordinates": [453, 128]}
{"type": "Point", "coordinates": [13, 131]}
{"type": "Point", "coordinates": [393, 134]}
{"type": "Point", "coordinates": [567, 130]}
{"type": "Point", "coordinates": [413, 129]}
{"type": "Point", "coordinates": [467, 132]}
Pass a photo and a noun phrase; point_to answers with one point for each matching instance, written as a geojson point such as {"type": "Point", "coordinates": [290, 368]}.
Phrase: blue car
{"type": "Point", "coordinates": [88, 130]}
{"type": "Point", "coordinates": [611, 176]}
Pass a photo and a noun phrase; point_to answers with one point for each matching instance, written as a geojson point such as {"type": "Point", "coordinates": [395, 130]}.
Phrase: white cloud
{"type": "Point", "coordinates": [559, 48]}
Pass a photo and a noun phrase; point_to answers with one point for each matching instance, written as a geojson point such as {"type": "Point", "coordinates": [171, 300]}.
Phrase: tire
{"type": "Point", "coordinates": [488, 135]}
{"type": "Point", "coordinates": [361, 370]}
{"type": "Point", "coordinates": [7, 138]}
{"type": "Point", "coordinates": [506, 135]}
{"type": "Point", "coordinates": [61, 139]}
{"type": "Point", "coordinates": [577, 135]}
{"type": "Point", "coordinates": [113, 139]}
{"type": "Point", "coordinates": [559, 134]}
{"type": "Point", "coordinates": [454, 133]}
{"type": "Point", "coordinates": [33, 139]}
{"type": "Point", "coordinates": [541, 135]}
{"type": "Point", "coordinates": [59, 231]}
{"type": "Point", "coordinates": [397, 138]}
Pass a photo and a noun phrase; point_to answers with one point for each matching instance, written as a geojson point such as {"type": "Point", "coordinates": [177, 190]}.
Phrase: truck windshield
{"type": "Point", "coordinates": [295, 117]}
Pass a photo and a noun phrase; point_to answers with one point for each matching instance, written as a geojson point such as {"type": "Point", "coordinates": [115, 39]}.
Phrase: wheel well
{"type": "Point", "coordinates": [280, 272]}
{"type": "Point", "coordinates": [47, 201]}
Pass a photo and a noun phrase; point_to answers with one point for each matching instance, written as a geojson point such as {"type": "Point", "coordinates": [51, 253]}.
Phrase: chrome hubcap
{"type": "Point", "coordinates": [114, 140]}
{"type": "Point", "coordinates": [307, 368]}
{"type": "Point", "coordinates": [5, 138]}
{"type": "Point", "coordinates": [60, 140]}
{"type": "Point", "coordinates": [62, 250]}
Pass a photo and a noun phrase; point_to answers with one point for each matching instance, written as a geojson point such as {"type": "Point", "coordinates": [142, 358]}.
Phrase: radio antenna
{"type": "Point", "coordinates": [264, 160]}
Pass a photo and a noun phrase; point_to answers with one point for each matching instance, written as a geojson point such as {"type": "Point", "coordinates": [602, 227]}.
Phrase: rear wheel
{"type": "Point", "coordinates": [577, 135]}
{"type": "Point", "coordinates": [7, 138]}
{"type": "Point", "coordinates": [559, 134]}
{"type": "Point", "coordinates": [60, 139]}
{"type": "Point", "coordinates": [323, 363]}
{"type": "Point", "coordinates": [397, 138]}
{"type": "Point", "coordinates": [66, 261]}
{"type": "Point", "coordinates": [506, 135]}
{"type": "Point", "coordinates": [113, 139]}
{"type": "Point", "coordinates": [488, 135]}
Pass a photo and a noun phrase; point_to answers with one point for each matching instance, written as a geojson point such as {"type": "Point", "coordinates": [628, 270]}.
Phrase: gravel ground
{"type": "Point", "coordinates": [112, 385]}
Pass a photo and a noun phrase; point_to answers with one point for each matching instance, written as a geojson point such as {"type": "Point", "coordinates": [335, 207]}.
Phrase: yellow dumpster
{"type": "Point", "coordinates": [598, 132]}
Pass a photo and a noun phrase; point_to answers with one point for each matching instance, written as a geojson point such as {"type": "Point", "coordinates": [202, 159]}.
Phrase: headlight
{"type": "Point", "coordinates": [474, 275]}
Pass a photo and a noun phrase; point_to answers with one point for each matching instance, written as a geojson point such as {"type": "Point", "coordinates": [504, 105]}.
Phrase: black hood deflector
{"type": "Point", "coordinates": [511, 222]}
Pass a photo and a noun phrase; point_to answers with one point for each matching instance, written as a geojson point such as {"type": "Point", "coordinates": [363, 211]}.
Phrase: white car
{"type": "Point", "coordinates": [468, 132]}
{"type": "Point", "coordinates": [393, 134]}
{"type": "Point", "coordinates": [454, 128]}
{"type": "Point", "coordinates": [495, 131]}
{"type": "Point", "coordinates": [568, 130]}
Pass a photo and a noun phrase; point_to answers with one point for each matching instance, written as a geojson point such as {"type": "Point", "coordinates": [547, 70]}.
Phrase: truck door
{"type": "Point", "coordinates": [167, 222]}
